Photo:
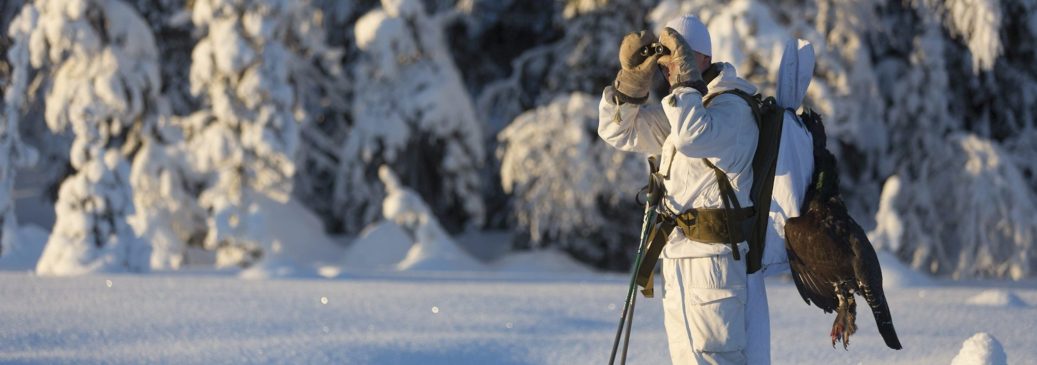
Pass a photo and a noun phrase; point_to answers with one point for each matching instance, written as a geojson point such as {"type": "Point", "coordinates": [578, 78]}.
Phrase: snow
{"type": "Point", "coordinates": [13, 152]}
{"type": "Point", "coordinates": [192, 317]}
{"type": "Point", "coordinates": [410, 104]}
{"type": "Point", "coordinates": [957, 199]}
{"type": "Point", "coordinates": [297, 228]}
{"type": "Point", "coordinates": [994, 238]}
{"type": "Point", "coordinates": [437, 252]}
{"type": "Point", "coordinates": [896, 274]}
{"type": "Point", "coordinates": [26, 250]}
{"type": "Point", "coordinates": [251, 68]}
{"type": "Point", "coordinates": [298, 246]}
{"type": "Point", "coordinates": [889, 228]}
{"type": "Point", "coordinates": [997, 298]}
{"type": "Point", "coordinates": [433, 248]}
{"type": "Point", "coordinates": [546, 261]}
{"type": "Point", "coordinates": [981, 349]}
{"type": "Point", "coordinates": [380, 246]}
{"type": "Point", "coordinates": [166, 214]}
{"type": "Point", "coordinates": [563, 178]}
{"type": "Point", "coordinates": [979, 22]}
{"type": "Point", "coordinates": [100, 83]}
{"type": "Point", "coordinates": [276, 267]}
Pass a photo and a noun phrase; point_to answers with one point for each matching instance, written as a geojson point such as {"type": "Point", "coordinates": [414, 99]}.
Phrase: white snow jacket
{"type": "Point", "coordinates": [795, 165]}
{"type": "Point", "coordinates": [683, 131]}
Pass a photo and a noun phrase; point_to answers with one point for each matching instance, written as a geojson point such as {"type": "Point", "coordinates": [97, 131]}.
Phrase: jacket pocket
{"type": "Point", "coordinates": [717, 322]}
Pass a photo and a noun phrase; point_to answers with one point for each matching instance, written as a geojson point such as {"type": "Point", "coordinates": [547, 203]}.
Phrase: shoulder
{"type": "Point", "coordinates": [730, 100]}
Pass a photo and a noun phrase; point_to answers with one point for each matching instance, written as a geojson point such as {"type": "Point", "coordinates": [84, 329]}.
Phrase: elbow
{"type": "Point", "coordinates": [612, 135]}
{"type": "Point", "coordinates": [620, 142]}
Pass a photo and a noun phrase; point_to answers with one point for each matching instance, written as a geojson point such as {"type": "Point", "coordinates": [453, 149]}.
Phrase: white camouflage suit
{"type": "Point", "coordinates": [705, 290]}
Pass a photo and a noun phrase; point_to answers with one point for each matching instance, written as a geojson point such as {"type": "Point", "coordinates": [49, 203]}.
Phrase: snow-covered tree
{"type": "Point", "coordinates": [318, 156]}
{"type": "Point", "coordinates": [570, 189]}
{"type": "Point", "coordinates": [583, 59]}
{"type": "Point", "coordinates": [165, 187]}
{"type": "Point", "coordinates": [52, 150]}
{"type": "Point", "coordinates": [168, 214]}
{"type": "Point", "coordinates": [252, 70]}
{"type": "Point", "coordinates": [986, 230]}
{"type": "Point", "coordinates": [98, 64]}
{"type": "Point", "coordinates": [524, 54]}
{"type": "Point", "coordinates": [995, 239]}
{"type": "Point", "coordinates": [410, 111]}
{"type": "Point", "coordinates": [13, 152]}
{"type": "Point", "coordinates": [485, 36]}
{"type": "Point", "coordinates": [170, 22]}
{"type": "Point", "coordinates": [946, 111]}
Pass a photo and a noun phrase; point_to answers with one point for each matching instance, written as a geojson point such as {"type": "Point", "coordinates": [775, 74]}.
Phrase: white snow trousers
{"type": "Point", "coordinates": [714, 313]}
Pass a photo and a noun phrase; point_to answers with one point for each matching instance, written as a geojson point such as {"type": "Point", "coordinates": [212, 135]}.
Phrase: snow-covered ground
{"type": "Point", "coordinates": [196, 317]}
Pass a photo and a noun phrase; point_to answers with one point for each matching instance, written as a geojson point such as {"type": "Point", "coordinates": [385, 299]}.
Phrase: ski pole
{"type": "Point", "coordinates": [650, 215]}
{"type": "Point", "coordinates": [626, 337]}
{"type": "Point", "coordinates": [646, 227]}
{"type": "Point", "coordinates": [652, 200]}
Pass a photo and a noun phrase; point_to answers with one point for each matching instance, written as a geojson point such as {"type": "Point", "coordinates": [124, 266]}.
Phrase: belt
{"type": "Point", "coordinates": [705, 225]}
{"type": "Point", "coordinates": [709, 225]}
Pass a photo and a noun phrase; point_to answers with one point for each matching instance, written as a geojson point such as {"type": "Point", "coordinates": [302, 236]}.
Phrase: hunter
{"type": "Point", "coordinates": [703, 128]}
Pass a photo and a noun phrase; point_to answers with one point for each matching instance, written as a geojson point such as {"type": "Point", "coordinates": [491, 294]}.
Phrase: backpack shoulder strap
{"type": "Point", "coordinates": [727, 195]}
{"type": "Point", "coordinates": [727, 191]}
{"type": "Point", "coordinates": [753, 101]}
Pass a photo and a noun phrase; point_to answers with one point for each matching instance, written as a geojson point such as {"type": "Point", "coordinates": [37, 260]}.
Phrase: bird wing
{"type": "Point", "coordinates": [814, 266]}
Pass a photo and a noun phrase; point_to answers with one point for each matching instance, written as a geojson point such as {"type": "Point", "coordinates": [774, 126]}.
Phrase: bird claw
{"type": "Point", "coordinates": [841, 333]}
{"type": "Point", "coordinates": [841, 338]}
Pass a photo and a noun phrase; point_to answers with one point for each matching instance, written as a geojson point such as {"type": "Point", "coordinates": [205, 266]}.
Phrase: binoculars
{"type": "Point", "coordinates": [654, 49]}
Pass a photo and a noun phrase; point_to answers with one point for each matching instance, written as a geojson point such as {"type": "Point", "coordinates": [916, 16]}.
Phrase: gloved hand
{"type": "Point", "coordinates": [638, 70]}
{"type": "Point", "coordinates": [680, 63]}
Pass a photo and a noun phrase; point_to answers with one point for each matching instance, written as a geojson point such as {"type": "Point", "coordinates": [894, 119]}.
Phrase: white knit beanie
{"type": "Point", "coordinates": [694, 32]}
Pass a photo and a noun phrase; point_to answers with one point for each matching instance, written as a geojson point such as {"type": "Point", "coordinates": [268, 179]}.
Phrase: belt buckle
{"type": "Point", "coordinates": [693, 215]}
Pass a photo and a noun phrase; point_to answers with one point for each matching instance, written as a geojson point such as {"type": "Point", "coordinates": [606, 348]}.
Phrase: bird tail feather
{"type": "Point", "coordinates": [885, 324]}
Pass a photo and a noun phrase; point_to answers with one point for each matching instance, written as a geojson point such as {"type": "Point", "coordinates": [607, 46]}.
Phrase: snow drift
{"type": "Point", "coordinates": [433, 249]}
{"type": "Point", "coordinates": [981, 349]}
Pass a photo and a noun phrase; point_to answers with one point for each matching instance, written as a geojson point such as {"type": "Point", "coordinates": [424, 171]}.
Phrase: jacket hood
{"type": "Point", "coordinates": [794, 73]}
{"type": "Point", "coordinates": [728, 80]}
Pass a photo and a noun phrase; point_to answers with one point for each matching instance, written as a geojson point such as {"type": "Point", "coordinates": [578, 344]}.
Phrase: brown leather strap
{"type": "Point", "coordinates": [709, 225]}
{"type": "Point", "coordinates": [656, 241]}
{"type": "Point", "coordinates": [730, 199]}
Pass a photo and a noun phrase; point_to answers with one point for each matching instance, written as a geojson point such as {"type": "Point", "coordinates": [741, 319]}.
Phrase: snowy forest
{"type": "Point", "coordinates": [148, 135]}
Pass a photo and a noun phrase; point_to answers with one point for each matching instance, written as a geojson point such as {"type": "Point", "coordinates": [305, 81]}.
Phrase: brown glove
{"type": "Point", "coordinates": [638, 68]}
{"type": "Point", "coordinates": [680, 62]}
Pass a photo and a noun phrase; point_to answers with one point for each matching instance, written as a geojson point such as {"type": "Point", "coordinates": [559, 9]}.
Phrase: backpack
{"type": "Point", "coordinates": [769, 119]}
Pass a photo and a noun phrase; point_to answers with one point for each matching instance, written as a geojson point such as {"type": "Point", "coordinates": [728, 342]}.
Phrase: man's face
{"type": "Point", "coordinates": [701, 61]}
